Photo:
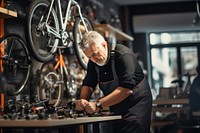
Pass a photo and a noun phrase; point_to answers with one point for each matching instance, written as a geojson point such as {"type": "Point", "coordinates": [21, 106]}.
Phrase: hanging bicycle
{"type": "Point", "coordinates": [55, 80]}
{"type": "Point", "coordinates": [48, 30]}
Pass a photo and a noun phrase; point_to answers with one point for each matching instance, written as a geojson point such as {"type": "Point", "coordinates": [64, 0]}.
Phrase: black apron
{"type": "Point", "coordinates": [135, 110]}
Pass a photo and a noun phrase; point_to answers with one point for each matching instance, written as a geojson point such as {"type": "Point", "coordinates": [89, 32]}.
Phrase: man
{"type": "Point", "coordinates": [126, 91]}
{"type": "Point", "coordinates": [195, 92]}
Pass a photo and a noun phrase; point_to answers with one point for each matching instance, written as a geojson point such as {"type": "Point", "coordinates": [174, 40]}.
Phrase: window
{"type": "Point", "coordinates": [173, 56]}
{"type": "Point", "coordinates": [163, 61]}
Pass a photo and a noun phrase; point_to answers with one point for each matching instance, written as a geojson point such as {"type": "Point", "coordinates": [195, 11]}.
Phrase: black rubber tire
{"type": "Point", "coordinates": [82, 59]}
{"type": "Point", "coordinates": [15, 64]}
{"type": "Point", "coordinates": [41, 43]}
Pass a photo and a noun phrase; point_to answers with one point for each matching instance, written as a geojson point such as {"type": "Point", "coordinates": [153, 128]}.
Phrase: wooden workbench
{"type": "Point", "coordinates": [75, 125]}
{"type": "Point", "coordinates": [167, 106]}
{"type": "Point", "coordinates": [55, 122]}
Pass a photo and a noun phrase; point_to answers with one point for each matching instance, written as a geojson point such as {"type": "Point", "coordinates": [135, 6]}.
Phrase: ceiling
{"type": "Point", "coordinates": [161, 22]}
{"type": "Point", "coordinates": [134, 2]}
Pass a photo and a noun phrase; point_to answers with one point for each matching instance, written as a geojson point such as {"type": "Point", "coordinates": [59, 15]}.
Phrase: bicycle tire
{"type": "Point", "coordinates": [48, 87]}
{"type": "Point", "coordinates": [15, 63]}
{"type": "Point", "coordinates": [43, 44]}
{"type": "Point", "coordinates": [78, 33]}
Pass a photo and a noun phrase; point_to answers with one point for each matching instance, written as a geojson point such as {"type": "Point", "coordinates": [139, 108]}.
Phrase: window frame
{"type": "Point", "coordinates": [178, 47]}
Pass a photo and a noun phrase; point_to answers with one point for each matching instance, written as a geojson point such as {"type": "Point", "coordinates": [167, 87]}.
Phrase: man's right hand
{"type": "Point", "coordinates": [81, 104]}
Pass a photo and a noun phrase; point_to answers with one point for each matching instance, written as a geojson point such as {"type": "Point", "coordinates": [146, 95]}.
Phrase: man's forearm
{"type": "Point", "coordinates": [86, 92]}
{"type": "Point", "coordinates": [115, 97]}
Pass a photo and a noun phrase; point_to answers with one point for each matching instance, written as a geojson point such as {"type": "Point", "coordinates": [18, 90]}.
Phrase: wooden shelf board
{"type": "Point", "coordinates": [112, 30]}
{"type": "Point", "coordinates": [171, 101]}
{"type": "Point", "coordinates": [166, 109]}
{"type": "Point", "coordinates": [196, 113]}
{"type": "Point", "coordinates": [5, 13]}
{"type": "Point", "coordinates": [161, 123]}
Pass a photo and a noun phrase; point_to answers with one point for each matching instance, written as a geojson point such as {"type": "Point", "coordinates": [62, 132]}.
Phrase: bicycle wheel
{"type": "Point", "coordinates": [50, 86]}
{"type": "Point", "coordinates": [78, 31]}
{"type": "Point", "coordinates": [43, 43]}
{"type": "Point", "coordinates": [15, 64]}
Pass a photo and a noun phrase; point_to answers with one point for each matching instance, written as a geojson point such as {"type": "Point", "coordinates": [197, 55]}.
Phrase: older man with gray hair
{"type": "Point", "coordinates": [116, 70]}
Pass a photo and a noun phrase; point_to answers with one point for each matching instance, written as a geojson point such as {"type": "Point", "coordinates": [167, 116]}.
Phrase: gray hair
{"type": "Point", "coordinates": [91, 37]}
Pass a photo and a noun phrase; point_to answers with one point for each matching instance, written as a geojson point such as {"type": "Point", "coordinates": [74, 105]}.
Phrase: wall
{"type": "Point", "coordinates": [128, 14]}
{"type": "Point", "coordinates": [102, 11]}
{"type": "Point", "coordinates": [18, 26]}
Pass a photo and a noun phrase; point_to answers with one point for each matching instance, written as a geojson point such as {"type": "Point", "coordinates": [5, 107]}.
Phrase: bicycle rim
{"type": "Point", "coordinates": [79, 30]}
{"type": "Point", "coordinates": [15, 64]}
{"type": "Point", "coordinates": [50, 86]}
{"type": "Point", "coordinates": [42, 43]}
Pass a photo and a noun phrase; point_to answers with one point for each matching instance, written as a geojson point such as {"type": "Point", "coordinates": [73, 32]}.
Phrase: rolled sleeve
{"type": "Point", "coordinates": [91, 76]}
{"type": "Point", "coordinates": [128, 70]}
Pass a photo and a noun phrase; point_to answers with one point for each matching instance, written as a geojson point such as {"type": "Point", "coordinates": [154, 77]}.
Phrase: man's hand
{"type": "Point", "coordinates": [92, 108]}
{"type": "Point", "coordinates": [81, 104]}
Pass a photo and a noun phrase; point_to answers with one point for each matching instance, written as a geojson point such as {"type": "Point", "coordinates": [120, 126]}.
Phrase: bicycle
{"type": "Point", "coordinates": [182, 85]}
{"type": "Point", "coordinates": [15, 64]}
{"type": "Point", "coordinates": [47, 27]}
{"type": "Point", "coordinates": [55, 77]}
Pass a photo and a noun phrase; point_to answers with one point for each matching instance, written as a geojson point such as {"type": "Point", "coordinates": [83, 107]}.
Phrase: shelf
{"type": "Point", "coordinates": [114, 31]}
{"type": "Point", "coordinates": [196, 113]}
{"type": "Point", "coordinates": [5, 13]}
{"type": "Point", "coordinates": [166, 109]}
{"type": "Point", "coordinates": [171, 101]}
{"type": "Point", "coordinates": [161, 123]}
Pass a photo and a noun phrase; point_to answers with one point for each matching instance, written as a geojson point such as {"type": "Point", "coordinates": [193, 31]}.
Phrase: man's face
{"type": "Point", "coordinates": [97, 54]}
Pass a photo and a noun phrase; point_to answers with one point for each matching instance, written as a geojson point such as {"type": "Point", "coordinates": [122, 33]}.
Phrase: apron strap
{"type": "Point", "coordinates": [112, 51]}
{"type": "Point", "coordinates": [112, 54]}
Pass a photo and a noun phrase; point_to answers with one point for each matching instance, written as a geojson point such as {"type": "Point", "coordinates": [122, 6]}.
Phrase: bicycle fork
{"type": "Point", "coordinates": [63, 68]}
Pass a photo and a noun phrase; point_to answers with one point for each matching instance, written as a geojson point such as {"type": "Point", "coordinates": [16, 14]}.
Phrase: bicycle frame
{"type": "Point", "coordinates": [51, 85]}
{"type": "Point", "coordinates": [61, 69]}
{"type": "Point", "coordinates": [1, 55]}
{"type": "Point", "coordinates": [61, 63]}
{"type": "Point", "coordinates": [67, 18]}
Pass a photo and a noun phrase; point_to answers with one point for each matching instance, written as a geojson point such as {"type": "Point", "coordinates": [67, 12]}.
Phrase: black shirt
{"type": "Point", "coordinates": [127, 69]}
